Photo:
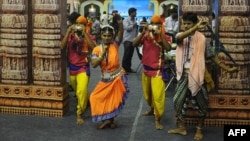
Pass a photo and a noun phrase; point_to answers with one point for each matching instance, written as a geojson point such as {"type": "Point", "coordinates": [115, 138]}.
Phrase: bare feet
{"type": "Point", "coordinates": [180, 130]}
{"type": "Point", "coordinates": [198, 135]}
{"type": "Point", "coordinates": [158, 125]}
{"type": "Point", "coordinates": [104, 124]}
{"type": "Point", "coordinates": [113, 126]}
{"type": "Point", "coordinates": [148, 113]}
{"type": "Point", "coordinates": [79, 120]}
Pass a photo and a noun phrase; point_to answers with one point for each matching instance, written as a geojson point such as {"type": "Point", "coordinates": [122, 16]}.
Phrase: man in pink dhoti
{"type": "Point", "coordinates": [190, 70]}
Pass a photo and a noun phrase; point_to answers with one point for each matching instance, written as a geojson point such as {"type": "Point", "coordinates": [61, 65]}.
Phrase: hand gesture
{"type": "Point", "coordinates": [71, 28]}
{"type": "Point", "coordinates": [201, 24]}
{"type": "Point", "coordinates": [232, 69]}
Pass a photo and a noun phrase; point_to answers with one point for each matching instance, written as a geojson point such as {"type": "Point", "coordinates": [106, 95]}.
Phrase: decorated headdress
{"type": "Point", "coordinates": [107, 29]}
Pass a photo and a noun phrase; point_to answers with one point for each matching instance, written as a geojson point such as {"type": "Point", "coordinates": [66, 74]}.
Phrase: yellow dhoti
{"type": "Point", "coordinates": [154, 93]}
{"type": "Point", "coordinates": [79, 84]}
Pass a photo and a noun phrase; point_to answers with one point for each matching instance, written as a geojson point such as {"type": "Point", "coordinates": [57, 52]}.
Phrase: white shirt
{"type": "Point", "coordinates": [104, 19]}
{"type": "Point", "coordinates": [171, 25]}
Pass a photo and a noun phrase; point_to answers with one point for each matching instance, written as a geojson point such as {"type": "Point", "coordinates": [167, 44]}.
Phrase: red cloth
{"type": "Point", "coordinates": [74, 57]}
{"type": "Point", "coordinates": [152, 54]}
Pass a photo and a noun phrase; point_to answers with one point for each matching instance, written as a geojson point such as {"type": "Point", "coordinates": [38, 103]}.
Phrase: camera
{"type": "Point", "coordinates": [153, 27]}
{"type": "Point", "coordinates": [79, 31]}
{"type": "Point", "coordinates": [141, 28]}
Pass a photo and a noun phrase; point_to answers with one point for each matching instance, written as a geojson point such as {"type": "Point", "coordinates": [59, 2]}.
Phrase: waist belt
{"type": "Point", "coordinates": [108, 76]}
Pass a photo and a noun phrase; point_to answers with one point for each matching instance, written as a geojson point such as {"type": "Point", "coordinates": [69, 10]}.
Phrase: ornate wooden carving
{"type": "Point", "coordinates": [30, 99]}
{"type": "Point", "coordinates": [13, 43]}
{"type": "Point", "coordinates": [47, 95]}
{"type": "Point", "coordinates": [201, 6]}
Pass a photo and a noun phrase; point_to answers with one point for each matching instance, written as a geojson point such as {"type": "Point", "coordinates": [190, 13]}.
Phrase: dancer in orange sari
{"type": "Point", "coordinates": [108, 97]}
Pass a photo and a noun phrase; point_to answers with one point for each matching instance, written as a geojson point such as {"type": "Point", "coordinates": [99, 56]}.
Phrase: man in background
{"type": "Point", "coordinates": [171, 23]}
{"type": "Point", "coordinates": [130, 32]}
{"type": "Point", "coordinates": [104, 18]}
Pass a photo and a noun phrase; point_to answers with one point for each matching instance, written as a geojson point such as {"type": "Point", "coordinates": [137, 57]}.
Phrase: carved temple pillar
{"type": "Point", "coordinates": [33, 68]}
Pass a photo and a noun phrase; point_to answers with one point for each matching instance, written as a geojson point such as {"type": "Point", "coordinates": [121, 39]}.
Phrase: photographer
{"type": "Point", "coordinates": [79, 43]}
{"type": "Point", "coordinates": [154, 42]}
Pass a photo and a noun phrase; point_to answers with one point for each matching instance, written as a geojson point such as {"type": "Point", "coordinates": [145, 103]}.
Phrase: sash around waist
{"type": "Point", "coordinates": [75, 68]}
{"type": "Point", "coordinates": [150, 68]}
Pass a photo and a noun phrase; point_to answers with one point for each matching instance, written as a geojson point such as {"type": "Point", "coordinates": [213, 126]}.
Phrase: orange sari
{"type": "Point", "coordinates": [108, 97]}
